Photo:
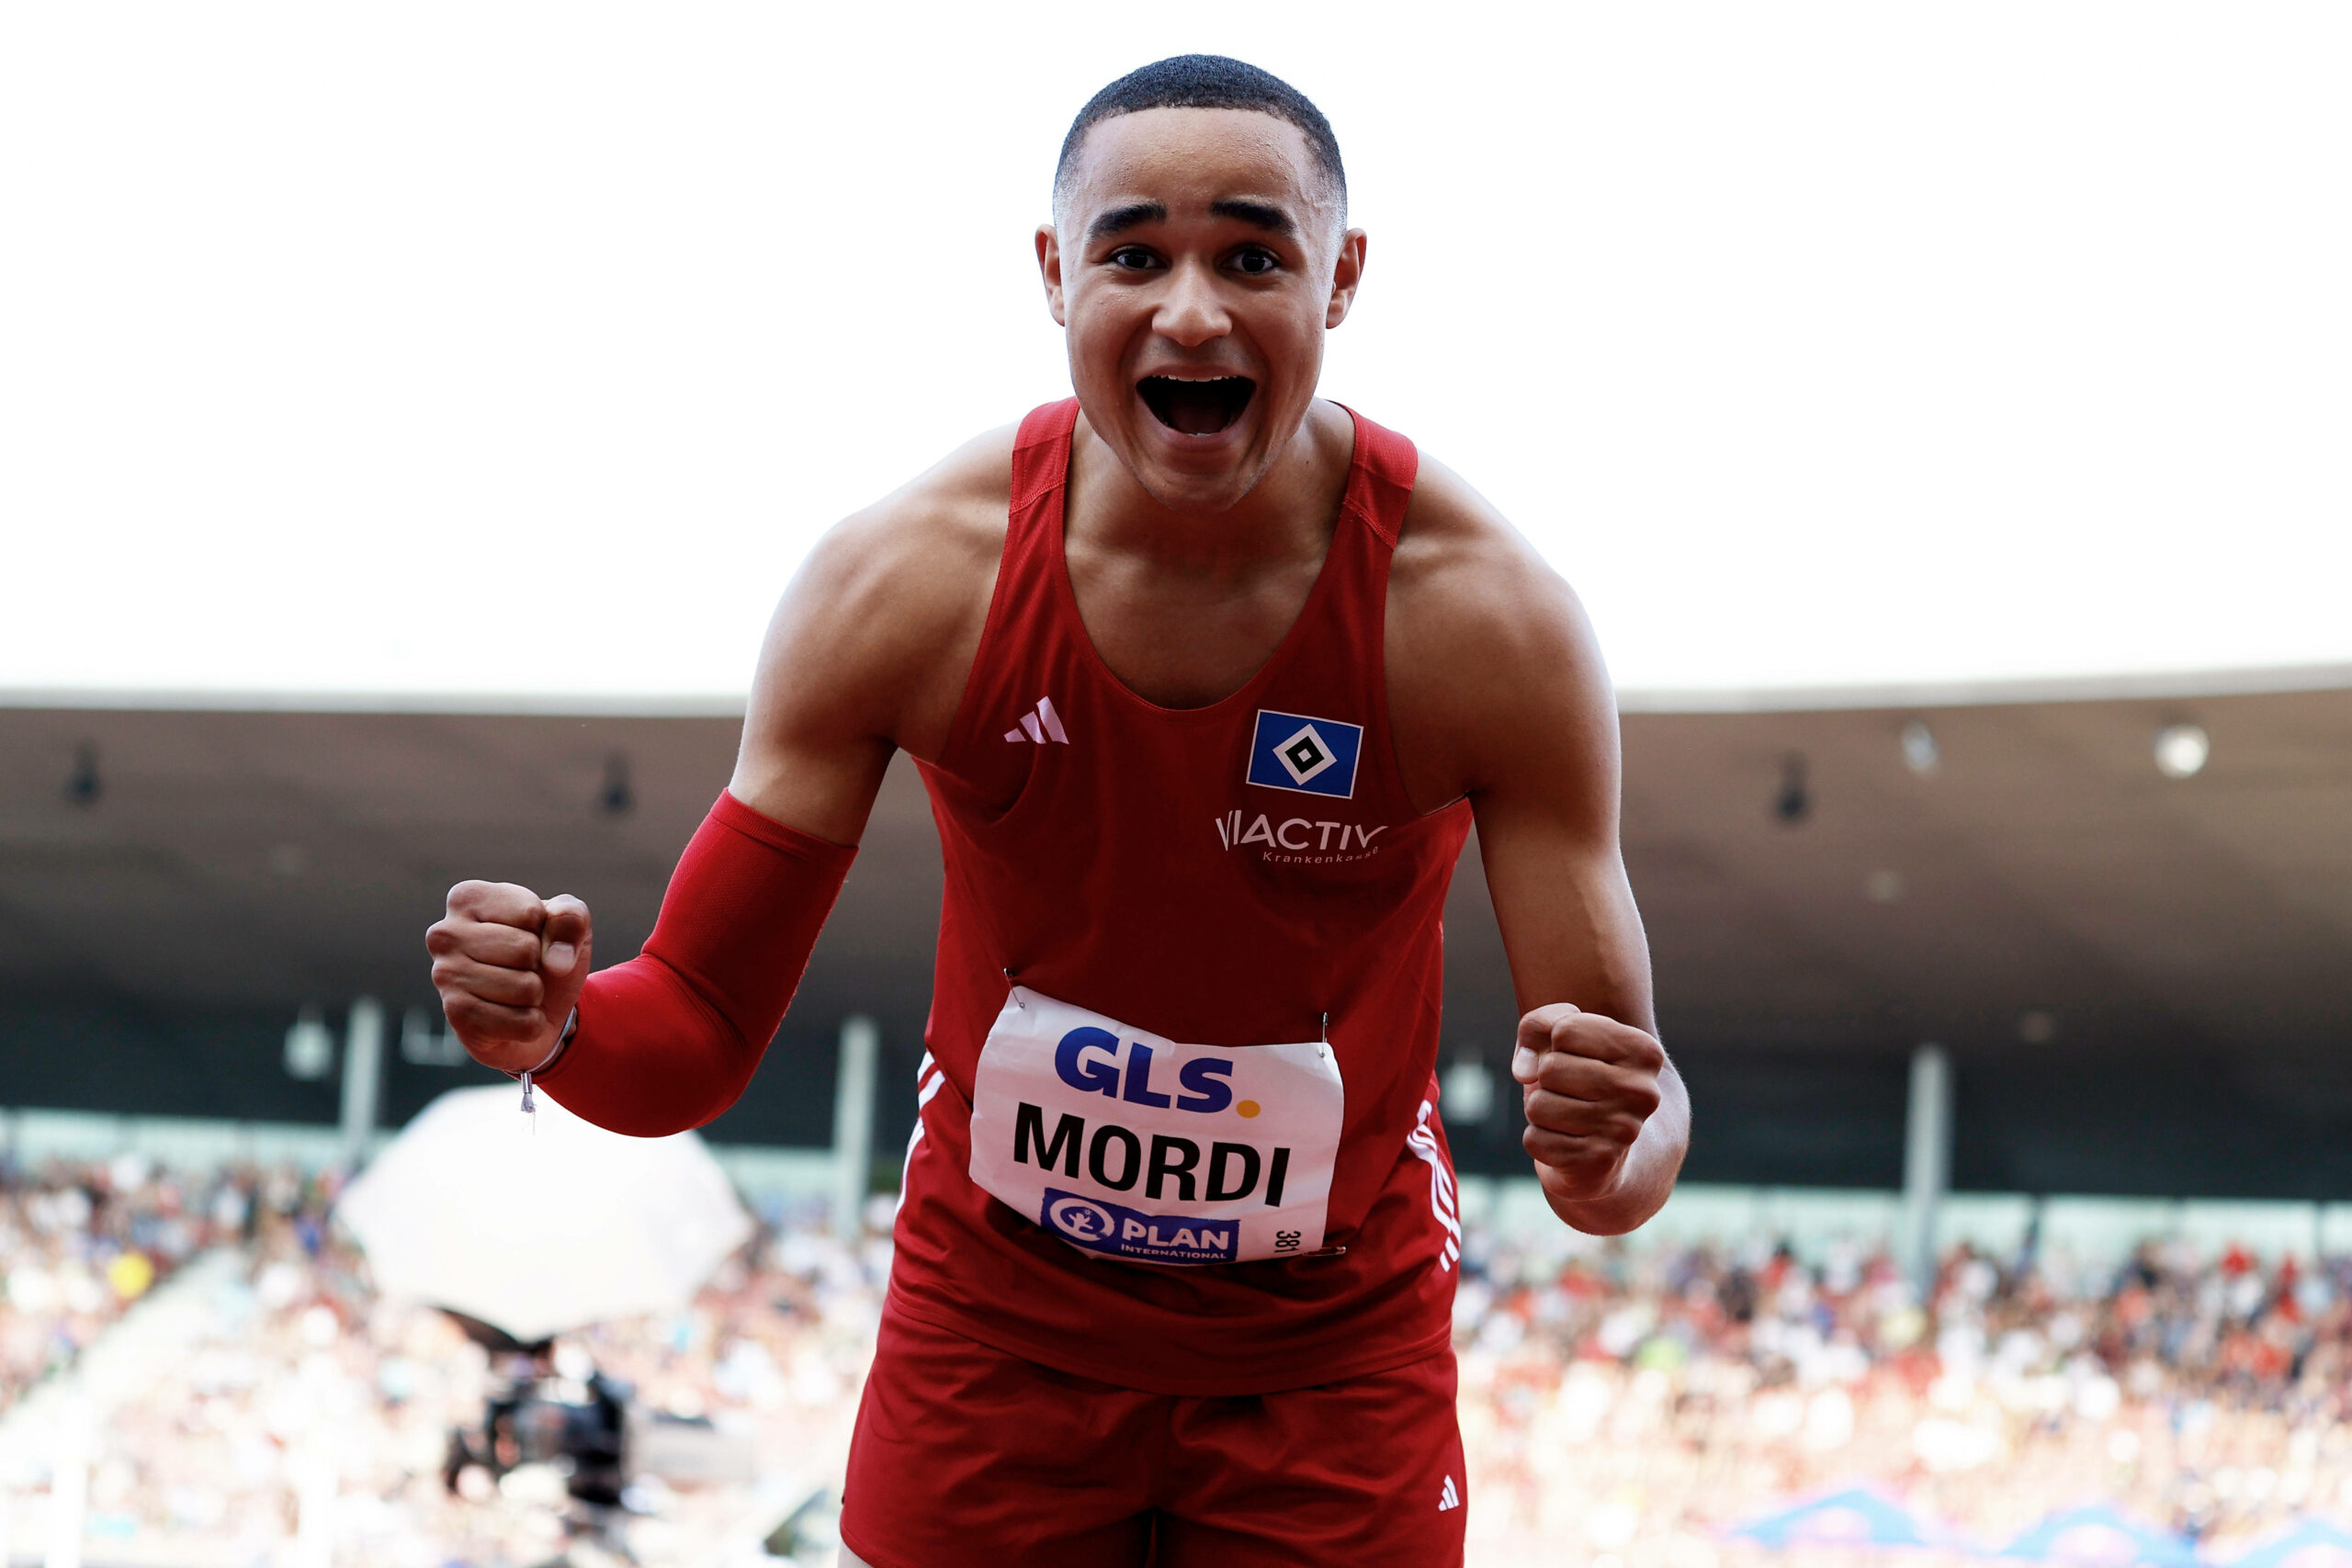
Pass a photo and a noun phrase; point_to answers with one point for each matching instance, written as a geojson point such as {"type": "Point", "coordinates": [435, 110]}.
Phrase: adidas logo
{"type": "Point", "coordinates": [1449, 1498]}
{"type": "Point", "coordinates": [1040, 724]}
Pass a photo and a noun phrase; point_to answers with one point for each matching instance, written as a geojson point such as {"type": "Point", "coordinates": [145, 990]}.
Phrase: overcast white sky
{"type": "Point", "coordinates": [525, 347]}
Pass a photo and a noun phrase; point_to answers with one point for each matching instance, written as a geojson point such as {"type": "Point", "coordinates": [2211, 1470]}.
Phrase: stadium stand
{"type": "Point", "coordinates": [2139, 980]}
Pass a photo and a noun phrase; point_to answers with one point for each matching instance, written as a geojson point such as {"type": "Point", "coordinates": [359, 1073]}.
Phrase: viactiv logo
{"type": "Point", "coordinates": [1298, 835]}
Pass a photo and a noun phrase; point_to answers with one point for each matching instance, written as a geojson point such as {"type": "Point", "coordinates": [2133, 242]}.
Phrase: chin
{"type": "Point", "coordinates": [1197, 494]}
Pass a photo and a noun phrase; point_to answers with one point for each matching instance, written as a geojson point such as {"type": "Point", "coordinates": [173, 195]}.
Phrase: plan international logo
{"type": "Point", "coordinates": [1313, 756]}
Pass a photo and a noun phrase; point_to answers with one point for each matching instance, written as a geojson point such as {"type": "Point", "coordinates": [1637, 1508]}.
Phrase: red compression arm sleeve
{"type": "Point", "coordinates": [668, 1040]}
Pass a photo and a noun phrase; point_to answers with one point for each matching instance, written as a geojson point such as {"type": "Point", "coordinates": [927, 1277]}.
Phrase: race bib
{"type": "Point", "coordinates": [1126, 1145]}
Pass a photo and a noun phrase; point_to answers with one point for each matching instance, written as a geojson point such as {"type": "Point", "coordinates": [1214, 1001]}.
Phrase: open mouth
{"type": "Point", "coordinates": [1196, 408]}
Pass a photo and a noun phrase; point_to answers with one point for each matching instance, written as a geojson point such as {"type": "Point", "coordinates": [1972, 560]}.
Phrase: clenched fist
{"type": "Point", "coordinates": [509, 967]}
{"type": "Point", "coordinates": [1588, 1085]}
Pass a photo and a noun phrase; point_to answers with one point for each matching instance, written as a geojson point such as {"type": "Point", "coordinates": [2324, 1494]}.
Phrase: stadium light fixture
{"type": "Point", "coordinates": [1469, 1090]}
{"type": "Point", "coordinates": [310, 1048]}
{"type": "Point", "coordinates": [427, 1041]}
{"type": "Point", "coordinates": [1921, 753]}
{"type": "Point", "coordinates": [615, 797]}
{"type": "Point", "coordinates": [82, 786]}
{"type": "Point", "coordinates": [2182, 750]}
{"type": "Point", "coordinates": [1793, 804]}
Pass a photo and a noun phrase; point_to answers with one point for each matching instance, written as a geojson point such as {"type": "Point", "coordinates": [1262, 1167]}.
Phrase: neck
{"type": "Point", "coordinates": [1287, 516]}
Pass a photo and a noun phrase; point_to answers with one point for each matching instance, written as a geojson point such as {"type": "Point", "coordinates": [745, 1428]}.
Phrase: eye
{"type": "Point", "coordinates": [1133, 258]}
{"type": "Point", "coordinates": [1255, 261]}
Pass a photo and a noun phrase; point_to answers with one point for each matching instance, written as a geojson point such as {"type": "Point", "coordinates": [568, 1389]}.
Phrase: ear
{"type": "Point", "coordinates": [1049, 268]}
{"type": "Point", "coordinates": [1345, 276]}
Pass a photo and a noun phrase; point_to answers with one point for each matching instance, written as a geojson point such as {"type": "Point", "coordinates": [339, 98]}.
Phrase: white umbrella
{"type": "Point", "coordinates": [535, 1230]}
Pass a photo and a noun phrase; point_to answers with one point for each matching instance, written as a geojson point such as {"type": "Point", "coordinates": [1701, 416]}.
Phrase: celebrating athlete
{"type": "Point", "coordinates": [1208, 679]}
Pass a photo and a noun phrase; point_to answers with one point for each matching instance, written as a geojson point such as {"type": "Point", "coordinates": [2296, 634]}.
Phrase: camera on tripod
{"type": "Point", "coordinates": [548, 1406]}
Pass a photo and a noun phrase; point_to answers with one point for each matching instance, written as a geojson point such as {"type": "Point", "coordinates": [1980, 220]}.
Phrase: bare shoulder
{"type": "Point", "coordinates": [919, 550]}
{"type": "Point", "coordinates": [874, 636]}
{"type": "Point", "coordinates": [1487, 647]}
{"type": "Point", "coordinates": [1458, 557]}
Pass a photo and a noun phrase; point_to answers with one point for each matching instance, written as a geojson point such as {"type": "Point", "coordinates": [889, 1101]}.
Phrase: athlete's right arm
{"type": "Point", "coordinates": [866, 654]}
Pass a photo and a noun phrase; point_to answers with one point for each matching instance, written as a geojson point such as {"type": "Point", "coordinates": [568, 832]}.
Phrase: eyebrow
{"type": "Point", "coordinates": [1258, 214]}
{"type": "Point", "coordinates": [1118, 219]}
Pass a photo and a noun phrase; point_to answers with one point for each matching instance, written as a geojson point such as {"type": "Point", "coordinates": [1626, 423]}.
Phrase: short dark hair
{"type": "Point", "coordinates": [1208, 82]}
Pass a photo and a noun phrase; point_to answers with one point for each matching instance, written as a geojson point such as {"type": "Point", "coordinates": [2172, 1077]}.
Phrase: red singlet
{"type": "Point", "coordinates": [1222, 876]}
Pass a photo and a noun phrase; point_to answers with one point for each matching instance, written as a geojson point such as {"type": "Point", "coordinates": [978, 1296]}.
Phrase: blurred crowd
{"type": "Point", "coordinates": [1623, 1405]}
{"type": "Point", "coordinates": [1636, 1405]}
{"type": "Point", "coordinates": [294, 1419]}
{"type": "Point", "coordinates": [80, 1241]}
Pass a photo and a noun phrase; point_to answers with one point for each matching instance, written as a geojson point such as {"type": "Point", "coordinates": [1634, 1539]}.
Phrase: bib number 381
{"type": "Point", "coordinates": [1128, 1144]}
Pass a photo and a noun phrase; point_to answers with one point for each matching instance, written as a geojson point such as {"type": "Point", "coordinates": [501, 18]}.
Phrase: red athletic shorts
{"type": "Point", "coordinates": [965, 1455]}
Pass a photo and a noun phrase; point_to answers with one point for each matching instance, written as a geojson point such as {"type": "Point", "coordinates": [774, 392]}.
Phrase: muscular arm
{"type": "Point", "coordinates": [1500, 695]}
{"type": "Point", "coordinates": [867, 653]}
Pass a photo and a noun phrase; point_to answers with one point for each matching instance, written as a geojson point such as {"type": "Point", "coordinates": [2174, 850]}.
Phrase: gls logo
{"type": "Point", "coordinates": [1206, 1079]}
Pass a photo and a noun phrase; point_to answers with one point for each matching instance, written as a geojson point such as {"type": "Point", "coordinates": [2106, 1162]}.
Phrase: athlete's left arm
{"type": "Point", "coordinates": [1499, 692]}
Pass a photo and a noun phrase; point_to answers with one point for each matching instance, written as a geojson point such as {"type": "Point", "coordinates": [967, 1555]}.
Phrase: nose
{"type": "Point", "coordinates": [1190, 313]}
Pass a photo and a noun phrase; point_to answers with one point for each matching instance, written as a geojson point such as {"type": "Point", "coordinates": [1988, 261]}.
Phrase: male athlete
{"type": "Point", "coordinates": [1208, 680]}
